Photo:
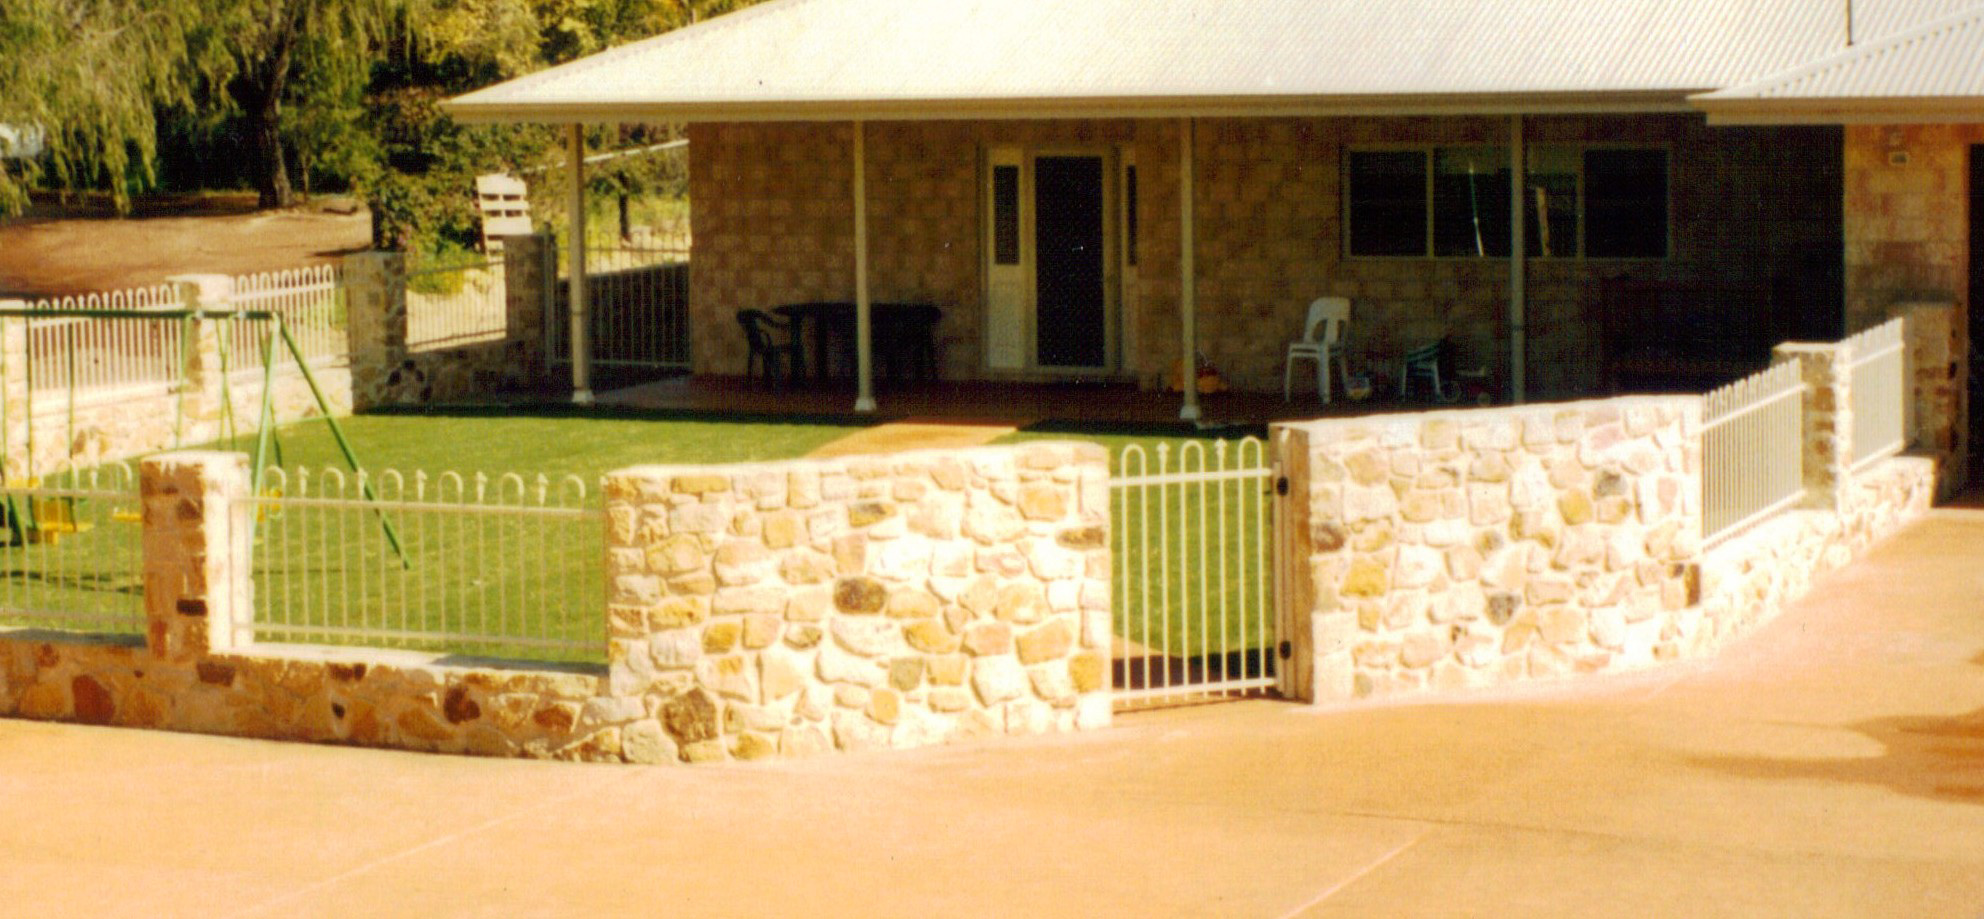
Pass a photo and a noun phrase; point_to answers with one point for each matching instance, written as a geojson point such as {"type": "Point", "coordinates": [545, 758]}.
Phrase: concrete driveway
{"type": "Point", "coordinates": [1832, 765]}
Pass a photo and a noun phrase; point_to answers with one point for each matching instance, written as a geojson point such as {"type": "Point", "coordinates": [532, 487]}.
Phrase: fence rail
{"type": "Point", "coordinates": [81, 354]}
{"type": "Point", "coordinates": [1193, 596]}
{"type": "Point", "coordinates": [504, 566]}
{"type": "Point", "coordinates": [453, 305]}
{"type": "Point", "coordinates": [638, 301]}
{"type": "Point", "coordinates": [1752, 450]}
{"type": "Point", "coordinates": [71, 551]}
{"type": "Point", "coordinates": [1880, 393]}
{"type": "Point", "coordinates": [311, 303]}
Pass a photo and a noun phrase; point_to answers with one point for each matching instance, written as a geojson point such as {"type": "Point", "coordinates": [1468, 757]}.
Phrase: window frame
{"type": "Point", "coordinates": [1430, 153]}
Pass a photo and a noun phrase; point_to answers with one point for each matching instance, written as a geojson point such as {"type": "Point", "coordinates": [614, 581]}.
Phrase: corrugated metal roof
{"type": "Point", "coordinates": [1936, 69]}
{"type": "Point", "coordinates": [910, 58]}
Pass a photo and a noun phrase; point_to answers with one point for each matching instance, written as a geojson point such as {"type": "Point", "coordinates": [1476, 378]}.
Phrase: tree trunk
{"type": "Point", "coordinates": [271, 169]}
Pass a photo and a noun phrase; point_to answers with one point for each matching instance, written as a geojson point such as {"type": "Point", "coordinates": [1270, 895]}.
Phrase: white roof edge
{"type": "Point", "coordinates": [466, 110]}
{"type": "Point", "coordinates": [1774, 92]}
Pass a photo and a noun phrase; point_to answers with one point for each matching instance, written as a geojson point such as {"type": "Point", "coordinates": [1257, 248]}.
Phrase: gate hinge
{"type": "Point", "coordinates": [1285, 649]}
{"type": "Point", "coordinates": [1281, 486]}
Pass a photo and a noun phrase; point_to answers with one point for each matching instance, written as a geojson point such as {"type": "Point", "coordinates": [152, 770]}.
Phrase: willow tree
{"type": "Point", "coordinates": [265, 40]}
{"type": "Point", "coordinates": [85, 76]}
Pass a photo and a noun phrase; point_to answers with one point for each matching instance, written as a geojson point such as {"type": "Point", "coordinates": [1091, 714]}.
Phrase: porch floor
{"type": "Point", "coordinates": [1007, 404]}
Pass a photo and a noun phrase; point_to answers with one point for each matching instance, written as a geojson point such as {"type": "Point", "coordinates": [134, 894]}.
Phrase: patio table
{"type": "Point", "coordinates": [904, 334]}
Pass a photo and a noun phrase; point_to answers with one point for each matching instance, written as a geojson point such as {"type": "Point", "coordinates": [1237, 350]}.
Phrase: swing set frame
{"type": "Point", "coordinates": [23, 528]}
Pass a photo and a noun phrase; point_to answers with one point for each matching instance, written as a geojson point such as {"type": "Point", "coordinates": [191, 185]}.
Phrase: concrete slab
{"type": "Point", "coordinates": [1827, 766]}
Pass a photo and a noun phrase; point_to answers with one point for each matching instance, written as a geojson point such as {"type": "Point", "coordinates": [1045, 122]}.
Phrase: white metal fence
{"type": "Point", "coordinates": [454, 305]}
{"type": "Point", "coordinates": [507, 565]}
{"type": "Point", "coordinates": [1194, 592]}
{"type": "Point", "coordinates": [71, 551]}
{"type": "Point", "coordinates": [1880, 392]}
{"type": "Point", "coordinates": [638, 301]}
{"type": "Point", "coordinates": [79, 353]}
{"type": "Point", "coordinates": [311, 302]}
{"type": "Point", "coordinates": [1752, 450]}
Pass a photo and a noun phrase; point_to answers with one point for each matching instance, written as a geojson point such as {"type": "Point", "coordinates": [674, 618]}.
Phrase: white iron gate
{"type": "Point", "coordinates": [638, 302]}
{"type": "Point", "coordinates": [1194, 585]}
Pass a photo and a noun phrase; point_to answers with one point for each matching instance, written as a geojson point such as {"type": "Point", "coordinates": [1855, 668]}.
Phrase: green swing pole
{"type": "Point", "coordinates": [20, 536]}
{"type": "Point", "coordinates": [337, 433]}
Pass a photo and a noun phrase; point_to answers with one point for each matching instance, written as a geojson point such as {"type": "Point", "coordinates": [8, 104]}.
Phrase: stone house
{"type": "Point", "coordinates": [1091, 188]}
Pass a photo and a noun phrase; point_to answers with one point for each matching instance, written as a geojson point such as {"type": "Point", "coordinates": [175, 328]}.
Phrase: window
{"type": "Point", "coordinates": [1625, 203]}
{"type": "Point", "coordinates": [1388, 202]}
{"type": "Point", "coordinates": [1453, 202]}
{"type": "Point", "coordinates": [1005, 215]}
{"type": "Point", "coordinates": [1130, 215]}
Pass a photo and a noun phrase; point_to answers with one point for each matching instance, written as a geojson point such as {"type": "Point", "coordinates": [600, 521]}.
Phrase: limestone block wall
{"type": "Point", "coordinates": [1908, 242]}
{"type": "Point", "coordinates": [891, 601]}
{"type": "Point", "coordinates": [1460, 549]}
{"type": "Point", "coordinates": [755, 611]}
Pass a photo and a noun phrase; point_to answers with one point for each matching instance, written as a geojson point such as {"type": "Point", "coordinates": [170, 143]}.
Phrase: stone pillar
{"type": "Point", "coordinates": [530, 269]}
{"type": "Point", "coordinates": [14, 388]}
{"type": "Point", "coordinates": [203, 392]}
{"type": "Point", "coordinates": [375, 319]}
{"type": "Point", "coordinates": [1939, 416]}
{"type": "Point", "coordinates": [1828, 375]}
{"type": "Point", "coordinates": [196, 548]}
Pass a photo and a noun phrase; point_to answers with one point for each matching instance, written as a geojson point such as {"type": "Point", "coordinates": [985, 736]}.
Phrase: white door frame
{"type": "Point", "coordinates": [1011, 289]}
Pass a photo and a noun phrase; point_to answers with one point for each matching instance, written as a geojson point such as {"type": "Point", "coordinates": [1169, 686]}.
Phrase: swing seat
{"type": "Point", "coordinates": [127, 516]}
{"type": "Point", "coordinates": [55, 518]}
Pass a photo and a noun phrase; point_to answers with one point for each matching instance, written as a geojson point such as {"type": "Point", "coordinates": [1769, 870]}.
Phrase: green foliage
{"type": "Point", "coordinates": [89, 73]}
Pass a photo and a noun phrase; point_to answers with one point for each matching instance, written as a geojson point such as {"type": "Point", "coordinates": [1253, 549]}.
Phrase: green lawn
{"type": "Point", "coordinates": [534, 577]}
{"type": "Point", "coordinates": [1190, 575]}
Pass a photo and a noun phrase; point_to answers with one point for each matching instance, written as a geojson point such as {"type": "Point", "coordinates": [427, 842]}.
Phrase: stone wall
{"type": "Point", "coordinates": [774, 224]}
{"type": "Point", "coordinates": [1452, 550]}
{"type": "Point", "coordinates": [888, 601]}
{"type": "Point", "coordinates": [756, 611]}
{"type": "Point", "coordinates": [1458, 549]}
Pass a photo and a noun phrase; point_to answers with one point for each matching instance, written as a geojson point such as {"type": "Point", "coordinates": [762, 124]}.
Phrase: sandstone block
{"type": "Point", "coordinates": [988, 638]}
{"type": "Point", "coordinates": [948, 669]}
{"type": "Point", "coordinates": [865, 636]}
{"type": "Point", "coordinates": [859, 595]}
{"type": "Point", "coordinates": [1048, 642]}
{"type": "Point", "coordinates": [998, 679]}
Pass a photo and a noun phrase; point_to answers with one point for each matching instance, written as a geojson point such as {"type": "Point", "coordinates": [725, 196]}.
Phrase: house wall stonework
{"type": "Point", "coordinates": [1907, 246]}
{"type": "Point", "coordinates": [773, 224]}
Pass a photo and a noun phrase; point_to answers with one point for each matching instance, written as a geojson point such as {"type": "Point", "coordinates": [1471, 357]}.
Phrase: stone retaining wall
{"type": "Point", "coordinates": [1452, 550]}
{"type": "Point", "coordinates": [888, 601]}
{"type": "Point", "coordinates": [756, 611]}
{"type": "Point", "coordinates": [1458, 549]}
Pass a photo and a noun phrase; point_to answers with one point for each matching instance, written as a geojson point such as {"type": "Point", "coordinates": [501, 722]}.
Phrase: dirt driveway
{"type": "Point", "coordinates": [56, 250]}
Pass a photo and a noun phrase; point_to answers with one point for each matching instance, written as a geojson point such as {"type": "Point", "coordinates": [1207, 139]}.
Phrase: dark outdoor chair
{"type": "Point", "coordinates": [779, 361]}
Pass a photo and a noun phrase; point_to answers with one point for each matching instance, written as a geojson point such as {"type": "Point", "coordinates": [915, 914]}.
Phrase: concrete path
{"type": "Point", "coordinates": [914, 434]}
{"type": "Point", "coordinates": [1832, 765]}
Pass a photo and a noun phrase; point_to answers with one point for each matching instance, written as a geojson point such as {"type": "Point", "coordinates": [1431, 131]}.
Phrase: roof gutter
{"type": "Point", "coordinates": [1858, 110]}
{"type": "Point", "coordinates": [471, 110]}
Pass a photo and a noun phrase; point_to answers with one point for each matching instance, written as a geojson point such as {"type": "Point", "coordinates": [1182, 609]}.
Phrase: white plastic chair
{"type": "Point", "coordinates": [1322, 342]}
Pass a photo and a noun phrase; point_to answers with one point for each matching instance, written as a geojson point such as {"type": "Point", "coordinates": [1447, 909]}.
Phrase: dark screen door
{"type": "Point", "coordinates": [1069, 313]}
{"type": "Point", "coordinates": [1976, 305]}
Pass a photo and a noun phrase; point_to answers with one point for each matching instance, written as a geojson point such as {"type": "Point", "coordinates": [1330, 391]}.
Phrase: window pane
{"type": "Point", "coordinates": [1130, 214]}
{"type": "Point", "coordinates": [1387, 202]}
{"type": "Point", "coordinates": [1550, 228]}
{"type": "Point", "coordinates": [1005, 215]}
{"type": "Point", "coordinates": [1625, 195]}
{"type": "Point", "coordinates": [1471, 201]}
